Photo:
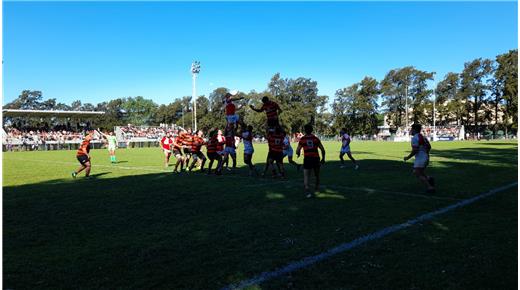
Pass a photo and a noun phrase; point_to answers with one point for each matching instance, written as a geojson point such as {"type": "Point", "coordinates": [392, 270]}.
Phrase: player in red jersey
{"type": "Point", "coordinates": [83, 156]}
{"type": "Point", "coordinates": [230, 150]}
{"type": "Point", "coordinates": [230, 108]}
{"type": "Point", "coordinates": [212, 152]}
{"type": "Point", "coordinates": [275, 143]}
{"type": "Point", "coordinates": [271, 109]}
{"type": "Point", "coordinates": [166, 147]}
{"type": "Point", "coordinates": [311, 160]}
{"type": "Point", "coordinates": [197, 154]}
{"type": "Point", "coordinates": [421, 150]}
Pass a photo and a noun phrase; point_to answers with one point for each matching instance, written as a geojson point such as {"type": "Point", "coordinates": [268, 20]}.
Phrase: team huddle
{"type": "Point", "coordinates": [186, 147]}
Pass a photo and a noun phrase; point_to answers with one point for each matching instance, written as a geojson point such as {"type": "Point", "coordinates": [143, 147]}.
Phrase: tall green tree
{"type": "Point", "coordinates": [449, 102]}
{"type": "Point", "coordinates": [355, 107]}
{"type": "Point", "coordinates": [505, 87]}
{"type": "Point", "coordinates": [140, 110]}
{"type": "Point", "coordinates": [474, 87]}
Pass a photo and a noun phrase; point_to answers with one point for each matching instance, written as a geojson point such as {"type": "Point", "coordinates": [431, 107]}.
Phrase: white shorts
{"type": "Point", "coordinates": [345, 149]}
{"type": "Point", "coordinates": [111, 148]}
{"type": "Point", "coordinates": [248, 149]}
{"type": "Point", "coordinates": [289, 152]}
{"type": "Point", "coordinates": [166, 151]}
{"type": "Point", "coordinates": [230, 150]}
{"type": "Point", "coordinates": [421, 160]}
{"type": "Point", "coordinates": [232, 119]}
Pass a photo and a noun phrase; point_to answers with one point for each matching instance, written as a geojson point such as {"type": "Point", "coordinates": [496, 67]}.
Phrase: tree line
{"type": "Point", "coordinates": [483, 96]}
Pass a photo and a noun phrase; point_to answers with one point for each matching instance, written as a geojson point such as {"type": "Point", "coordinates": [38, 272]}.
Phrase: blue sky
{"type": "Point", "coordinates": [95, 51]}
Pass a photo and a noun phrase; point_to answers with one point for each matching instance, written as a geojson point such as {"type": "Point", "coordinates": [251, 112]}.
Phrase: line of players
{"type": "Point", "coordinates": [186, 145]}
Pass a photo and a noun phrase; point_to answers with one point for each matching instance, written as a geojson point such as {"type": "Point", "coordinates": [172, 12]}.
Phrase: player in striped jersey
{"type": "Point", "coordinates": [345, 149]}
{"type": "Point", "coordinates": [275, 143]}
{"type": "Point", "coordinates": [198, 142]}
{"type": "Point", "coordinates": [311, 161]}
{"type": "Point", "coordinates": [421, 150]}
{"type": "Point", "coordinates": [212, 152]}
{"type": "Point", "coordinates": [271, 109]}
{"type": "Point", "coordinates": [177, 147]}
{"type": "Point", "coordinates": [83, 155]}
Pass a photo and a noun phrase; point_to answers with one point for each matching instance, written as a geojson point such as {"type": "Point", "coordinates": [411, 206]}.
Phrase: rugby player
{"type": "Point", "coordinates": [230, 150]}
{"type": "Point", "coordinates": [247, 137]}
{"type": "Point", "coordinates": [275, 154]}
{"type": "Point", "coordinates": [271, 109]}
{"type": "Point", "coordinates": [187, 139]}
{"type": "Point", "coordinates": [421, 150]}
{"type": "Point", "coordinates": [198, 141]}
{"type": "Point", "coordinates": [166, 146]}
{"type": "Point", "coordinates": [345, 149]}
{"type": "Point", "coordinates": [288, 151]}
{"type": "Point", "coordinates": [311, 160]}
{"type": "Point", "coordinates": [83, 156]}
{"type": "Point", "coordinates": [177, 147]}
{"type": "Point", "coordinates": [230, 108]}
{"type": "Point", "coordinates": [112, 145]}
{"type": "Point", "coordinates": [212, 152]}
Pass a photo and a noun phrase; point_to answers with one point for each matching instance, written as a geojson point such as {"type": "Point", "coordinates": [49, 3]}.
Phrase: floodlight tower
{"type": "Point", "coordinates": [195, 69]}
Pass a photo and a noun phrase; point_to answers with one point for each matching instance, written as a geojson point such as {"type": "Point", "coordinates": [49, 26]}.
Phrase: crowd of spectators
{"type": "Point", "coordinates": [131, 132]}
{"type": "Point", "coordinates": [35, 139]}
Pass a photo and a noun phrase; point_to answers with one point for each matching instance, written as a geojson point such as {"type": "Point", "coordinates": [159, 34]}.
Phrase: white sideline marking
{"type": "Point", "coordinates": [370, 190]}
{"type": "Point", "coordinates": [308, 261]}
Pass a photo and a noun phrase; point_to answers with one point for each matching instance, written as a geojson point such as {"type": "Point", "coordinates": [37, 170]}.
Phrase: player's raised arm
{"type": "Point", "coordinates": [322, 149]}
{"type": "Point", "coordinates": [255, 109]}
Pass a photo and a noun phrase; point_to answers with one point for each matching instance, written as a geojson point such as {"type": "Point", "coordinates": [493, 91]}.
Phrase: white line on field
{"type": "Point", "coordinates": [308, 261]}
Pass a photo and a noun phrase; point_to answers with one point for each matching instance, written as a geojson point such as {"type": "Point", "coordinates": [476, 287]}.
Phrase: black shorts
{"type": "Point", "coordinates": [82, 159]}
{"type": "Point", "coordinates": [176, 151]}
{"type": "Point", "coordinates": [198, 155]}
{"type": "Point", "coordinates": [276, 156]}
{"type": "Point", "coordinates": [213, 155]}
{"type": "Point", "coordinates": [187, 151]}
{"type": "Point", "coordinates": [311, 162]}
{"type": "Point", "coordinates": [271, 123]}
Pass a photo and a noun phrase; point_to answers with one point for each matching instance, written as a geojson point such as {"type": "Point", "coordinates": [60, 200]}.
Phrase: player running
{"type": "Point", "coordinates": [275, 143]}
{"type": "Point", "coordinates": [112, 145]}
{"type": "Point", "coordinates": [212, 151]}
{"type": "Point", "coordinates": [311, 159]}
{"type": "Point", "coordinates": [83, 156]}
{"type": "Point", "coordinates": [288, 151]}
{"type": "Point", "coordinates": [345, 149]}
{"type": "Point", "coordinates": [197, 154]}
{"type": "Point", "coordinates": [166, 146]}
{"type": "Point", "coordinates": [247, 137]}
{"type": "Point", "coordinates": [421, 150]}
{"type": "Point", "coordinates": [230, 108]}
{"type": "Point", "coordinates": [271, 109]}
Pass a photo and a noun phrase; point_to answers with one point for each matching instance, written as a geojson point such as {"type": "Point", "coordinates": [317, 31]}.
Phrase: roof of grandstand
{"type": "Point", "coordinates": [49, 113]}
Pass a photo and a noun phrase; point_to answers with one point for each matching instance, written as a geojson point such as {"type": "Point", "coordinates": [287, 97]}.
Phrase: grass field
{"type": "Point", "coordinates": [137, 226]}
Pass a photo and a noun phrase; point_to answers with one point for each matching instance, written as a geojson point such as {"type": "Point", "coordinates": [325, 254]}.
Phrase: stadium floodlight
{"type": "Point", "coordinates": [195, 70]}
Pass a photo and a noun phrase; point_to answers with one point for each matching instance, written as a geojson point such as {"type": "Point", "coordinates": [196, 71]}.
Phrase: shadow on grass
{"type": "Point", "coordinates": [193, 231]}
